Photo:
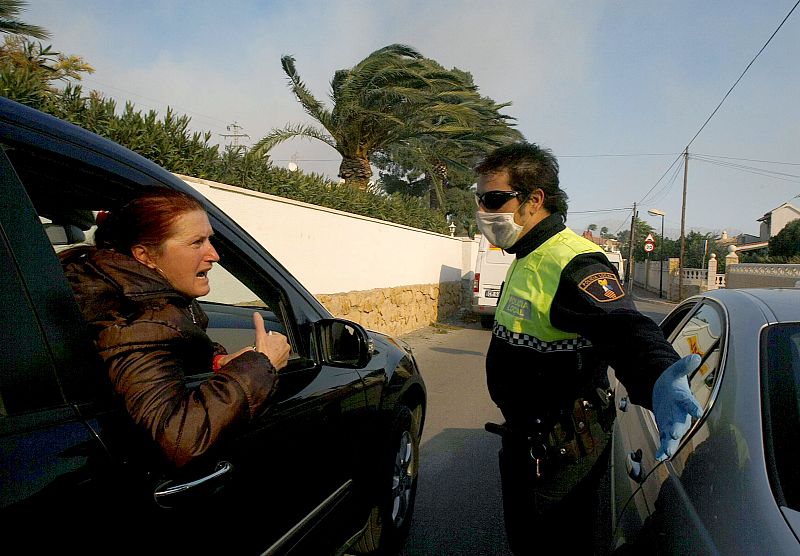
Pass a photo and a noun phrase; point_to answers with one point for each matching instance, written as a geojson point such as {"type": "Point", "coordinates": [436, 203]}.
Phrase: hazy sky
{"type": "Point", "coordinates": [617, 89]}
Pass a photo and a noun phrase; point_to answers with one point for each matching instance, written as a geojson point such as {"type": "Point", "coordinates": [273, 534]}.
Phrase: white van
{"type": "Point", "coordinates": [615, 258]}
{"type": "Point", "coordinates": [491, 267]}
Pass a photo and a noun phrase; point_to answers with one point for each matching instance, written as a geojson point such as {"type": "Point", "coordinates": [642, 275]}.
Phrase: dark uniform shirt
{"type": "Point", "coordinates": [522, 379]}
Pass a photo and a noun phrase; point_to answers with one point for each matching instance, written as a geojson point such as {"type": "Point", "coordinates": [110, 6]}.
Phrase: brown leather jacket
{"type": "Point", "coordinates": [150, 337]}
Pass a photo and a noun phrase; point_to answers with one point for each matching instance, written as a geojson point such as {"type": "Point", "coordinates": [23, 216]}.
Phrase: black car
{"type": "Point", "coordinates": [330, 468]}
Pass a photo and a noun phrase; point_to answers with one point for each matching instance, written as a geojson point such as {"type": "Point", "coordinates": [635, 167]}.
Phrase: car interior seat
{"type": "Point", "coordinates": [64, 234]}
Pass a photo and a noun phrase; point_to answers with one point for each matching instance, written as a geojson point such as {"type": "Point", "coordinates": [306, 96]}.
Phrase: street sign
{"type": "Point", "coordinates": [650, 238]}
{"type": "Point", "coordinates": [649, 246]}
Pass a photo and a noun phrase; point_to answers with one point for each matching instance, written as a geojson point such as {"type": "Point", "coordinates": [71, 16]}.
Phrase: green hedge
{"type": "Point", "coordinates": [241, 171]}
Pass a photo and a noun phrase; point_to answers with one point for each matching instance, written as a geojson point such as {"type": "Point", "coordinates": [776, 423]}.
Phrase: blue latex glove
{"type": "Point", "coordinates": [674, 405]}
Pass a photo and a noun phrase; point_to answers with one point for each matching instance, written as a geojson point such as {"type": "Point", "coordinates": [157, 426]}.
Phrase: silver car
{"type": "Point", "coordinates": [733, 486]}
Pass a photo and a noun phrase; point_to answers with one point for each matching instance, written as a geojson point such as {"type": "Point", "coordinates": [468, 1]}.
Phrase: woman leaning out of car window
{"type": "Point", "coordinates": [137, 289]}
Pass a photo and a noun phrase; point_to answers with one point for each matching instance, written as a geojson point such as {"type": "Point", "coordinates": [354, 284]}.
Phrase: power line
{"type": "Point", "coordinates": [633, 215]}
{"type": "Point", "coordinates": [686, 150]}
{"type": "Point", "coordinates": [599, 210]}
{"type": "Point", "coordinates": [750, 169]}
{"type": "Point", "coordinates": [660, 194]}
{"type": "Point", "coordinates": [740, 77]}
{"type": "Point", "coordinates": [612, 155]}
{"type": "Point", "coordinates": [160, 102]}
{"type": "Point", "coordinates": [641, 201]}
{"type": "Point", "coordinates": [748, 159]}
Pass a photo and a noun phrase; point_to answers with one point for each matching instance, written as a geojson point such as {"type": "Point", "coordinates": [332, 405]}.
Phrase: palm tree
{"type": "Point", "coordinates": [437, 155]}
{"type": "Point", "coordinates": [9, 11]}
{"type": "Point", "coordinates": [393, 95]}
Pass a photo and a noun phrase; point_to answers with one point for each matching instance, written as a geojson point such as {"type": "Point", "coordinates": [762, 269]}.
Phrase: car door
{"type": "Point", "coordinates": [282, 484]}
{"type": "Point", "coordinates": [303, 449]}
{"type": "Point", "coordinates": [54, 466]}
{"type": "Point", "coordinates": [632, 430]}
{"type": "Point", "coordinates": [673, 523]}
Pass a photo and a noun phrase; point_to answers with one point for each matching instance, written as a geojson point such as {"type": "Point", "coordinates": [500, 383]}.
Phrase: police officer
{"type": "Point", "coordinates": [563, 315]}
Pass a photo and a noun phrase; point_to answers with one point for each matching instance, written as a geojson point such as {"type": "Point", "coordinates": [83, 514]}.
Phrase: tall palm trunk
{"type": "Point", "coordinates": [440, 171]}
{"type": "Point", "coordinates": [436, 193]}
{"type": "Point", "coordinates": [439, 183]}
{"type": "Point", "coordinates": [355, 172]}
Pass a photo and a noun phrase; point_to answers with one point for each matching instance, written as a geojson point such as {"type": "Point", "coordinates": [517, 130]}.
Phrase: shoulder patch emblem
{"type": "Point", "coordinates": [602, 287]}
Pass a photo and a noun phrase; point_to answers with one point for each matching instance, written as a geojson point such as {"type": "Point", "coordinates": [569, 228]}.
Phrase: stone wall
{"type": "Point", "coordinates": [396, 310]}
{"type": "Point", "coordinates": [755, 275]}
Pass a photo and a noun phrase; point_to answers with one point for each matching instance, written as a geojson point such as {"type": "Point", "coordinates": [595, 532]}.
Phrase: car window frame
{"type": "Point", "coordinates": [37, 374]}
{"type": "Point", "coordinates": [299, 307]}
{"type": "Point", "coordinates": [52, 302]}
{"type": "Point", "coordinates": [240, 266]}
{"type": "Point", "coordinates": [678, 321]}
{"type": "Point", "coordinates": [715, 346]}
{"type": "Point", "coordinates": [292, 307]}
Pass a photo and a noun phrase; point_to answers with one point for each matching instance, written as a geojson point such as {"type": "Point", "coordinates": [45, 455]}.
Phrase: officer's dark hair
{"type": "Point", "coordinates": [529, 167]}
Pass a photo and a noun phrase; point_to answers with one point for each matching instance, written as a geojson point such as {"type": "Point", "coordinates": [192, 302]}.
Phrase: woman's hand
{"type": "Point", "coordinates": [273, 344]}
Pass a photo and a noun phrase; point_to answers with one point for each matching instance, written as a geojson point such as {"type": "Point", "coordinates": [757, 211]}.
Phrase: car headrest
{"type": "Point", "coordinates": [64, 234]}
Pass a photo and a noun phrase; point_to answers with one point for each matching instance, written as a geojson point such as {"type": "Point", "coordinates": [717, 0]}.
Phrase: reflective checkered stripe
{"type": "Point", "coordinates": [520, 339]}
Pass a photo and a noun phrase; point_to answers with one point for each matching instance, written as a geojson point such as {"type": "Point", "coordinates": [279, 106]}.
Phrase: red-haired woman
{"type": "Point", "coordinates": [137, 289]}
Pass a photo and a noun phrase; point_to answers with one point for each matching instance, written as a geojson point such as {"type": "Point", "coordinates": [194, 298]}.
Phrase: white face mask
{"type": "Point", "coordinates": [498, 228]}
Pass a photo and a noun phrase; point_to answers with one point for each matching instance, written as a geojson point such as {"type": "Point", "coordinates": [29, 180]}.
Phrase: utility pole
{"type": "Point", "coordinates": [629, 272]}
{"type": "Point", "coordinates": [234, 128]}
{"type": "Point", "coordinates": [683, 222]}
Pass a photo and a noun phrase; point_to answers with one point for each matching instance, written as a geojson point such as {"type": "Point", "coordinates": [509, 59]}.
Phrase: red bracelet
{"type": "Point", "coordinates": [216, 364]}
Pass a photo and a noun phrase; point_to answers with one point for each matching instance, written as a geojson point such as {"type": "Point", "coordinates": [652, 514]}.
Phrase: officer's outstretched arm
{"type": "Point", "coordinates": [674, 405]}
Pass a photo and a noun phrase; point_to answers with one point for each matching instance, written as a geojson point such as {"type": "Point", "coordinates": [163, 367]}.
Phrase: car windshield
{"type": "Point", "coordinates": [780, 356]}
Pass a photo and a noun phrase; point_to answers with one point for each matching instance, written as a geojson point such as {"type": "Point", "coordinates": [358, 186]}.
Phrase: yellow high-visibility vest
{"type": "Point", "coordinates": [523, 311]}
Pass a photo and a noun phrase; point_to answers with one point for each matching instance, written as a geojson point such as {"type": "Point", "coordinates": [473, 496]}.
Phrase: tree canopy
{"type": "Point", "coordinates": [786, 243]}
{"type": "Point", "coordinates": [31, 73]}
{"type": "Point", "coordinates": [447, 161]}
{"type": "Point", "coordinates": [394, 98]}
{"type": "Point", "coordinates": [10, 23]}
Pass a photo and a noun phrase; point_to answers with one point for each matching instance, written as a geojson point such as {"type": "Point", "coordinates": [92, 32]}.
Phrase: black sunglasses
{"type": "Point", "coordinates": [493, 200]}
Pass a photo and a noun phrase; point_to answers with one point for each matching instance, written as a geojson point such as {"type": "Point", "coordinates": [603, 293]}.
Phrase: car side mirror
{"type": "Point", "coordinates": [342, 343]}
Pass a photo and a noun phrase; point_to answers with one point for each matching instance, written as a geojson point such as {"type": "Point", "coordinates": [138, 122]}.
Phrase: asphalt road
{"type": "Point", "coordinates": [459, 508]}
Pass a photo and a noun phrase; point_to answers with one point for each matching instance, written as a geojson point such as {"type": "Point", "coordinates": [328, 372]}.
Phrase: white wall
{"type": "Point", "coordinates": [755, 275]}
{"type": "Point", "coordinates": [331, 251]}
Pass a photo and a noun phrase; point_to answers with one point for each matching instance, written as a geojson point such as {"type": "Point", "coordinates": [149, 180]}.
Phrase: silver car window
{"type": "Point", "coordinates": [702, 335]}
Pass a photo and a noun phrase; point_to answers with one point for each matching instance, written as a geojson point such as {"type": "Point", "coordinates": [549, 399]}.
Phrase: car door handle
{"type": "Point", "coordinates": [168, 494]}
{"type": "Point", "coordinates": [635, 470]}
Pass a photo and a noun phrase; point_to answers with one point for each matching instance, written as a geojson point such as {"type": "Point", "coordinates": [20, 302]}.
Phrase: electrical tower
{"type": "Point", "coordinates": [292, 166]}
{"type": "Point", "coordinates": [235, 130]}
